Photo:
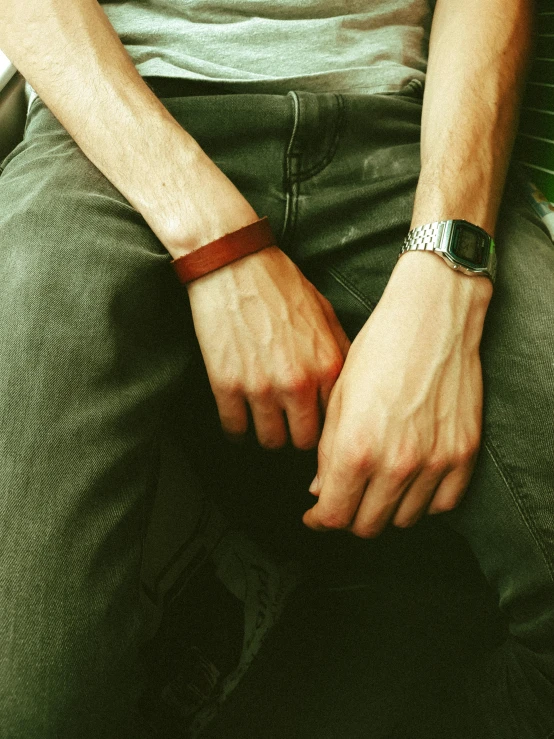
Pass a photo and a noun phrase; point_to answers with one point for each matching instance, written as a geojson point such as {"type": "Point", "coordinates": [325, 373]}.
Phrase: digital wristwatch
{"type": "Point", "coordinates": [461, 244]}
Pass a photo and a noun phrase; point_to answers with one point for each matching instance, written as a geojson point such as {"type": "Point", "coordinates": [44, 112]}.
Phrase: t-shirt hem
{"type": "Point", "coordinates": [392, 78]}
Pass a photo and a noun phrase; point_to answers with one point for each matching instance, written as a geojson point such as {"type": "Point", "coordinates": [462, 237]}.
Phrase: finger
{"type": "Point", "coordinates": [450, 491]}
{"type": "Point", "coordinates": [337, 503]}
{"type": "Point", "coordinates": [325, 390]}
{"type": "Point", "coordinates": [303, 419]}
{"type": "Point", "coordinates": [326, 439]}
{"type": "Point", "coordinates": [417, 497]}
{"type": "Point", "coordinates": [337, 330]}
{"type": "Point", "coordinates": [233, 414]}
{"type": "Point", "coordinates": [380, 501]}
{"type": "Point", "coordinates": [269, 422]}
{"type": "Point", "coordinates": [341, 489]}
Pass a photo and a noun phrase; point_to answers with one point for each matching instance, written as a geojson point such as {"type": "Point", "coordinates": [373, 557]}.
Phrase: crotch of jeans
{"type": "Point", "coordinates": [414, 88]}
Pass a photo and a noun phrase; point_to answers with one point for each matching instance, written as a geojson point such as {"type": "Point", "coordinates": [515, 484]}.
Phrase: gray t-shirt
{"type": "Point", "coordinates": [273, 46]}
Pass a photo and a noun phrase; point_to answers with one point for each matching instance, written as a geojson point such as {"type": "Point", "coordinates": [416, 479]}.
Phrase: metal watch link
{"type": "Point", "coordinates": [461, 244]}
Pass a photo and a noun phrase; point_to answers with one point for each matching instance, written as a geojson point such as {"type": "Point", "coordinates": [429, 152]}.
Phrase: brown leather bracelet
{"type": "Point", "coordinates": [222, 251]}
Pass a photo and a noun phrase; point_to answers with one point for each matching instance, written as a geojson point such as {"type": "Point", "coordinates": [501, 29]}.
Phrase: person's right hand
{"type": "Point", "coordinates": [270, 339]}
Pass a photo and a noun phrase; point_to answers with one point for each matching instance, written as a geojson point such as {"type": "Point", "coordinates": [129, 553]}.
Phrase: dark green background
{"type": "Point", "coordinates": [535, 142]}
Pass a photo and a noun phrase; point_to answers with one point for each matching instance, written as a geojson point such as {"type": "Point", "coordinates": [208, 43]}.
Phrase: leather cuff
{"type": "Point", "coordinates": [222, 251]}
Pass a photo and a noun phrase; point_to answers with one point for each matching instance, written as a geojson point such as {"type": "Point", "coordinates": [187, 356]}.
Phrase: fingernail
{"type": "Point", "coordinates": [314, 484]}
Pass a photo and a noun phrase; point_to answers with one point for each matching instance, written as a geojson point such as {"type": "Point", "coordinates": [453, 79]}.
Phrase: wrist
{"type": "Point", "coordinates": [445, 305]}
{"type": "Point", "coordinates": [204, 206]}
{"type": "Point", "coordinates": [474, 202]}
{"type": "Point", "coordinates": [228, 249]}
{"type": "Point", "coordinates": [431, 278]}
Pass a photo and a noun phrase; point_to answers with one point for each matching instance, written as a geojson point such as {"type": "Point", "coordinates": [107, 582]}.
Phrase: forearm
{"type": "Point", "coordinates": [478, 57]}
{"type": "Point", "coordinates": [72, 56]}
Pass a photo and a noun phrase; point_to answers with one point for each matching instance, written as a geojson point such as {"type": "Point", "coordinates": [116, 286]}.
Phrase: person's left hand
{"type": "Point", "coordinates": [403, 422]}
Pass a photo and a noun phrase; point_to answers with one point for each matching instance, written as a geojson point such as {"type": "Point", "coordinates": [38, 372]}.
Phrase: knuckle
{"type": "Point", "coordinates": [325, 301]}
{"type": "Point", "coordinates": [332, 369]}
{"type": "Point", "coordinates": [437, 465]}
{"type": "Point", "coordinates": [230, 386]}
{"type": "Point", "coordinates": [355, 461]}
{"type": "Point", "coordinates": [354, 453]}
{"type": "Point", "coordinates": [403, 468]}
{"type": "Point", "coordinates": [260, 390]}
{"type": "Point", "coordinates": [464, 454]}
{"type": "Point", "coordinates": [296, 383]}
{"type": "Point", "coordinates": [334, 519]}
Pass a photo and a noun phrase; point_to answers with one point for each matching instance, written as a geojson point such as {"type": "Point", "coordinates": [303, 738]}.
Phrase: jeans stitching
{"type": "Point", "coordinates": [299, 175]}
{"type": "Point", "coordinates": [290, 185]}
{"type": "Point", "coordinates": [293, 174]}
{"type": "Point", "coordinates": [351, 288]}
{"type": "Point", "coordinates": [332, 150]}
{"type": "Point", "coordinates": [495, 457]}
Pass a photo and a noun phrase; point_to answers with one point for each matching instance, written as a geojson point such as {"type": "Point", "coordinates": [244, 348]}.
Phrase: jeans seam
{"type": "Point", "coordinates": [332, 150]}
{"type": "Point", "coordinates": [351, 288]}
{"type": "Point", "coordinates": [293, 175]}
{"type": "Point", "coordinates": [495, 457]}
{"type": "Point", "coordinates": [290, 183]}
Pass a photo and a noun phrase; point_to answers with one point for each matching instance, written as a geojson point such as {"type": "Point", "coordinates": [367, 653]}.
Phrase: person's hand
{"type": "Point", "coordinates": [270, 339]}
{"type": "Point", "coordinates": [403, 422]}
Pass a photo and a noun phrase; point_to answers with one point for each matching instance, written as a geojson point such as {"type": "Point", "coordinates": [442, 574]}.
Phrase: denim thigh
{"type": "Point", "coordinates": [351, 188]}
{"type": "Point", "coordinates": [96, 342]}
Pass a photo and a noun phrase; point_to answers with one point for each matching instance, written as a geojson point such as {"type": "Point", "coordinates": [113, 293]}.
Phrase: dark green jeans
{"type": "Point", "coordinates": [97, 351]}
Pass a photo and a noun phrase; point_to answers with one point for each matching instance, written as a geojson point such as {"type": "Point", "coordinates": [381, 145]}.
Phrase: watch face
{"type": "Point", "coordinates": [470, 245]}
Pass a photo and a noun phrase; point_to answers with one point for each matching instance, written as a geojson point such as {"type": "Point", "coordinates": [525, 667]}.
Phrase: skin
{"type": "Point", "coordinates": [403, 423]}
{"type": "Point", "coordinates": [402, 405]}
